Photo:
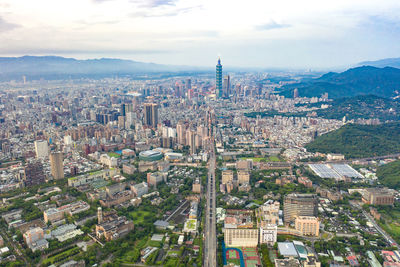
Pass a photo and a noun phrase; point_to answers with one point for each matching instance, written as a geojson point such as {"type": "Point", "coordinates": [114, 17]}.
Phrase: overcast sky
{"type": "Point", "coordinates": [248, 33]}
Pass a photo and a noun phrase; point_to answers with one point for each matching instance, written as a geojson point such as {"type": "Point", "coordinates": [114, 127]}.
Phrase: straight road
{"type": "Point", "coordinates": [210, 242]}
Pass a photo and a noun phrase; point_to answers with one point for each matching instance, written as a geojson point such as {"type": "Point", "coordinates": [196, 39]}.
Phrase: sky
{"type": "Point", "coordinates": [309, 34]}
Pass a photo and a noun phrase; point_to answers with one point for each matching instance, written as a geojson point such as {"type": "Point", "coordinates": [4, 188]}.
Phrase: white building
{"type": "Point", "coordinates": [268, 234]}
{"type": "Point", "coordinates": [41, 149]}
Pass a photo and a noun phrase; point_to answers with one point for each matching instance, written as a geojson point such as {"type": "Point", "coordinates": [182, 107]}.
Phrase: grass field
{"type": "Point", "coordinates": [114, 155]}
{"type": "Point", "coordinates": [268, 159]}
{"type": "Point", "coordinates": [138, 216]}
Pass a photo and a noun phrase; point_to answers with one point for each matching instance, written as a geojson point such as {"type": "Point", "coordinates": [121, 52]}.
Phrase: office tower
{"type": "Point", "coordinates": [41, 148]}
{"type": "Point", "coordinates": [296, 93]}
{"type": "Point", "coordinates": [226, 86]}
{"type": "Point", "coordinates": [188, 84]}
{"type": "Point", "coordinates": [151, 114]}
{"type": "Point", "coordinates": [123, 110]}
{"type": "Point", "coordinates": [34, 174]}
{"type": "Point", "coordinates": [56, 165]}
{"type": "Point", "coordinates": [181, 132]}
{"type": "Point", "coordinates": [191, 140]}
{"type": "Point", "coordinates": [218, 79]}
{"type": "Point", "coordinates": [299, 205]}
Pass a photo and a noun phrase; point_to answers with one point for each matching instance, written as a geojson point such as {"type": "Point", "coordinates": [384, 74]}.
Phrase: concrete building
{"type": "Point", "coordinates": [269, 234]}
{"type": "Point", "coordinates": [243, 177]}
{"type": "Point", "coordinates": [287, 263]}
{"type": "Point", "coordinates": [150, 115]}
{"type": "Point", "coordinates": [307, 225]}
{"type": "Point", "coordinates": [268, 213]}
{"type": "Point", "coordinates": [244, 164]}
{"type": "Point", "coordinates": [112, 226]}
{"type": "Point", "coordinates": [33, 235]}
{"type": "Point", "coordinates": [140, 189]}
{"type": "Point", "coordinates": [41, 149]}
{"type": "Point", "coordinates": [56, 214]}
{"type": "Point", "coordinates": [227, 176]}
{"type": "Point", "coordinates": [241, 237]}
{"type": "Point", "coordinates": [299, 205]}
{"type": "Point", "coordinates": [378, 196]}
{"type": "Point", "coordinates": [33, 174]}
{"type": "Point", "coordinates": [56, 165]}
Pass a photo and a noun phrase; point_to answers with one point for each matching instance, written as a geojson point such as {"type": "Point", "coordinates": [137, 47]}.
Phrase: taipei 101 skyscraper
{"type": "Point", "coordinates": [218, 79]}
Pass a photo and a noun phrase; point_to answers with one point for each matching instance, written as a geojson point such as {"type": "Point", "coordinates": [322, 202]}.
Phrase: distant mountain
{"type": "Point", "coordinates": [361, 107]}
{"type": "Point", "coordinates": [386, 62]}
{"type": "Point", "coordinates": [53, 67]}
{"type": "Point", "coordinates": [384, 82]}
{"type": "Point", "coordinates": [359, 141]}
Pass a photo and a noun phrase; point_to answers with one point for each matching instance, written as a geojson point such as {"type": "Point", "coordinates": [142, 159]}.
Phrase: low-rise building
{"type": "Point", "coordinates": [307, 225]}
{"type": "Point", "coordinates": [269, 234]}
{"type": "Point", "coordinates": [56, 214]}
{"type": "Point", "coordinates": [241, 237]}
{"type": "Point", "coordinates": [140, 189]}
{"type": "Point", "coordinates": [378, 196]}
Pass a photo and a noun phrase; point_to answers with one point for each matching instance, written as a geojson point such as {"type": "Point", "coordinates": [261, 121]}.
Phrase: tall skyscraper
{"type": "Point", "coordinates": [181, 132]}
{"type": "Point", "coordinates": [41, 149]}
{"type": "Point", "coordinates": [218, 79]}
{"type": "Point", "coordinates": [227, 86]}
{"type": "Point", "coordinates": [56, 165]}
{"type": "Point", "coordinates": [188, 84]}
{"type": "Point", "coordinates": [151, 114]}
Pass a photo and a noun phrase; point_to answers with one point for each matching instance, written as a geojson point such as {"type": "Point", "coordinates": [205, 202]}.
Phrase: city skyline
{"type": "Point", "coordinates": [289, 34]}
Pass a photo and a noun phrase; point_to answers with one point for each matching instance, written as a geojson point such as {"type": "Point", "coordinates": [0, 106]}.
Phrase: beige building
{"type": "Point", "coordinates": [56, 165]}
{"type": "Point", "coordinates": [244, 164]}
{"type": "Point", "coordinates": [268, 214]}
{"type": "Point", "coordinates": [299, 205]}
{"type": "Point", "coordinates": [33, 235]}
{"type": "Point", "coordinates": [378, 196]}
{"type": "Point", "coordinates": [227, 176]}
{"type": "Point", "coordinates": [241, 237]}
{"type": "Point", "coordinates": [307, 225]}
{"type": "Point", "coordinates": [243, 177]}
{"type": "Point", "coordinates": [196, 188]}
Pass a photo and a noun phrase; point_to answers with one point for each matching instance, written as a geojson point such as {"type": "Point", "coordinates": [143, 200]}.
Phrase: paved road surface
{"type": "Point", "coordinates": [210, 242]}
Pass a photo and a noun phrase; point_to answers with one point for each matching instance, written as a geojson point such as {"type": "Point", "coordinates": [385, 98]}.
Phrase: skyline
{"type": "Point", "coordinates": [259, 34]}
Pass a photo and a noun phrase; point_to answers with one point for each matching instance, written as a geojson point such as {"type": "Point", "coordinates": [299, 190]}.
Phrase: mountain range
{"type": "Point", "coordinates": [384, 82]}
{"type": "Point", "coordinates": [386, 62]}
{"type": "Point", "coordinates": [53, 67]}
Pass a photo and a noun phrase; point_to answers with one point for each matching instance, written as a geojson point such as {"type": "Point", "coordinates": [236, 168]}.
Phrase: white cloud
{"type": "Point", "coordinates": [298, 31]}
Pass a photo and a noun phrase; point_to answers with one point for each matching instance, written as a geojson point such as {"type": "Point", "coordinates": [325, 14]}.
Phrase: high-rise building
{"type": "Point", "coordinates": [188, 84]}
{"type": "Point", "coordinates": [191, 140]}
{"type": "Point", "coordinates": [34, 174]}
{"type": "Point", "coordinates": [299, 205]}
{"type": "Point", "coordinates": [41, 149]}
{"type": "Point", "coordinates": [227, 86]}
{"type": "Point", "coordinates": [151, 114]}
{"type": "Point", "coordinates": [218, 79]}
{"type": "Point", "coordinates": [181, 132]}
{"type": "Point", "coordinates": [57, 166]}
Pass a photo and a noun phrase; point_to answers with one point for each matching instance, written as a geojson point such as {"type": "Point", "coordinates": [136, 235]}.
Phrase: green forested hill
{"type": "Point", "coordinates": [362, 106]}
{"type": "Point", "coordinates": [384, 82]}
{"type": "Point", "coordinates": [359, 141]}
{"type": "Point", "coordinates": [389, 174]}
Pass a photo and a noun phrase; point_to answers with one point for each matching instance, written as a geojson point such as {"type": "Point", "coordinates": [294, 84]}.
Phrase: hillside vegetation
{"type": "Point", "coordinates": [384, 82]}
{"type": "Point", "coordinates": [389, 174]}
{"type": "Point", "coordinates": [359, 141]}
